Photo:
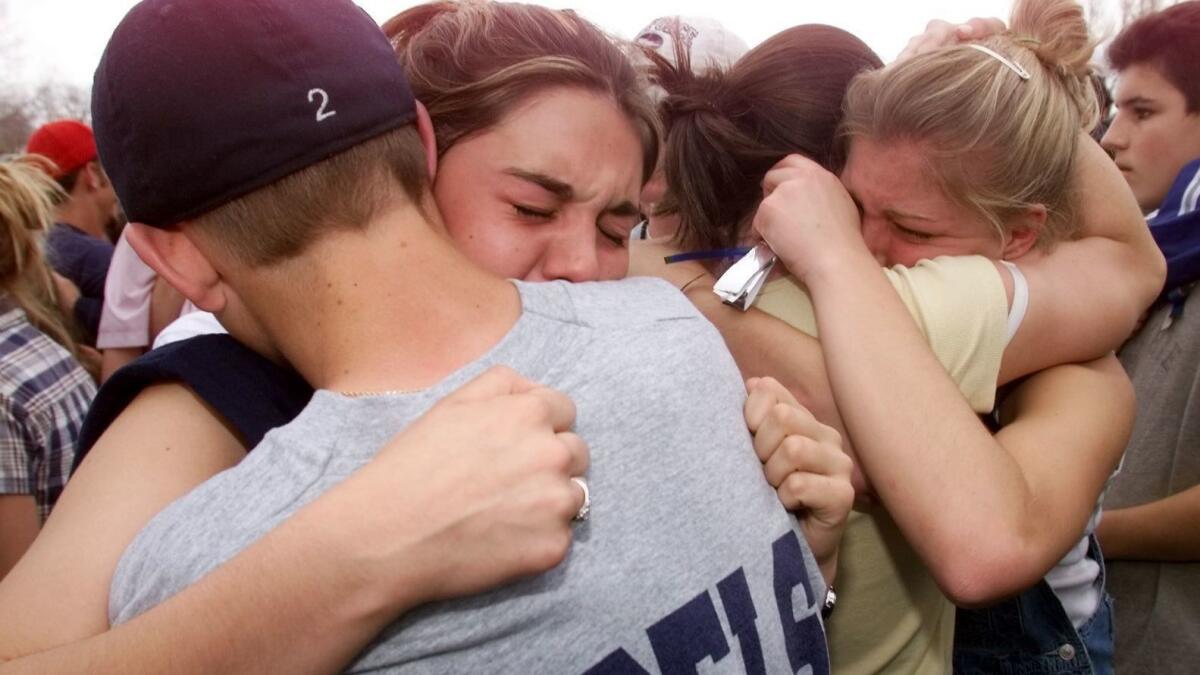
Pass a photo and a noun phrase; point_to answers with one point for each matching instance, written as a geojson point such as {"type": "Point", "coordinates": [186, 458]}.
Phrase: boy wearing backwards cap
{"type": "Point", "coordinates": [447, 529]}
{"type": "Point", "coordinates": [77, 246]}
{"type": "Point", "coordinates": [308, 202]}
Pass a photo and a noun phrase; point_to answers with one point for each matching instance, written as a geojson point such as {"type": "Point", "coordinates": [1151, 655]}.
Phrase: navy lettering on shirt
{"type": "Point", "coordinates": [799, 636]}
{"type": "Point", "coordinates": [693, 633]}
{"type": "Point", "coordinates": [687, 636]}
{"type": "Point", "coordinates": [617, 663]}
{"type": "Point", "coordinates": [739, 608]}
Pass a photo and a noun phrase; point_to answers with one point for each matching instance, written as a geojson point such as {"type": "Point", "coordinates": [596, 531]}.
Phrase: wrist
{"type": "Point", "coordinates": [827, 564]}
{"type": "Point", "coordinates": [1113, 534]}
{"type": "Point", "coordinates": [361, 580]}
{"type": "Point", "coordinates": [843, 265]}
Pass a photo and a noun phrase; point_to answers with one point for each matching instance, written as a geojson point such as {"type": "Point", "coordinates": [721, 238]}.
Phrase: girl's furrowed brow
{"type": "Point", "coordinates": [552, 185]}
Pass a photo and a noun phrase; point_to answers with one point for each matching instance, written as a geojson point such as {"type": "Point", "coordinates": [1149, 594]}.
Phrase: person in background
{"type": "Point", "coordinates": [78, 246]}
{"type": "Point", "coordinates": [708, 46]}
{"type": "Point", "coordinates": [708, 42]}
{"type": "Point", "coordinates": [138, 305]}
{"type": "Point", "coordinates": [1105, 100]}
{"type": "Point", "coordinates": [44, 392]}
{"type": "Point", "coordinates": [1151, 527]}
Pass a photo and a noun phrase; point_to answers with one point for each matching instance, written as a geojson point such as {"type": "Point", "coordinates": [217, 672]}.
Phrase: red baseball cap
{"type": "Point", "coordinates": [68, 143]}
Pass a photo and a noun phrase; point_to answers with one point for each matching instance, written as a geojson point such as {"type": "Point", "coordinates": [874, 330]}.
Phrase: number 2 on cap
{"type": "Point", "coordinates": [322, 113]}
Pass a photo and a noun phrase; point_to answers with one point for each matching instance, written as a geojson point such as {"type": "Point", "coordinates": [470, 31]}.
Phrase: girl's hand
{"type": "Point", "coordinates": [803, 460]}
{"type": "Point", "coordinates": [807, 217]}
{"type": "Point", "coordinates": [502, 509]}
{"type": "Point", "coordinates": [939, 34]}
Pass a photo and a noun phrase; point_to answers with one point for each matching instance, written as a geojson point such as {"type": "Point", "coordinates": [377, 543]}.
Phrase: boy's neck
{"type": "Point", "coordinates": [83, 216]}
{"type": "Point", "coordinates": [393, 307]}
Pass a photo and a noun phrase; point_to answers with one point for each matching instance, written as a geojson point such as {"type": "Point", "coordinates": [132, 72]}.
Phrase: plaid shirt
{"type": "Point", "coordinates": [44, 396]}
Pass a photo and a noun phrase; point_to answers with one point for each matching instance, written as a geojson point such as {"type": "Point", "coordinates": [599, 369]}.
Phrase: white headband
{"type": "Point", "coordinates": [1012, 65]}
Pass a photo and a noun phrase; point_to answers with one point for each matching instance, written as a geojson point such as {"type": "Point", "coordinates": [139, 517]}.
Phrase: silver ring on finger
{"type": "Point", "coordinates": [584, 510]}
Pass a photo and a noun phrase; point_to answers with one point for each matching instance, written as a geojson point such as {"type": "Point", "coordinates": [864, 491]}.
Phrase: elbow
{"type": "Point", "coordinates": [985, 575]}
{"type": "Point", "coordinates": [973, 591]}
{"type": "Point", "coordinates": [1152, 275]}
{"type": "Point", "coordinates": [1142, 274]}
{"type": "Point", "coordinates": [1145, 282]}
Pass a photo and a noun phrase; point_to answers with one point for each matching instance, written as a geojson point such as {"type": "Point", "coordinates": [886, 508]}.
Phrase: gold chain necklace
{"type": "Point", "coordinates": [385, 392]}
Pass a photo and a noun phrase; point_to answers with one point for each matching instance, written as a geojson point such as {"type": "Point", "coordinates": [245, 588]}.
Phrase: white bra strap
{"type": "Point", "coordinates": [1020, 300]}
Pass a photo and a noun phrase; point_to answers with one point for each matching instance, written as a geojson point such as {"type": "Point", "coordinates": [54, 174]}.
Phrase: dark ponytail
{"type": "Point", "coordinates": [726, 129]}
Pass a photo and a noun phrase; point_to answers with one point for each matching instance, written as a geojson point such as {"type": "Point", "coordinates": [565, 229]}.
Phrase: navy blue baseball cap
{"type": "Point", "coordinates": [198, 102]}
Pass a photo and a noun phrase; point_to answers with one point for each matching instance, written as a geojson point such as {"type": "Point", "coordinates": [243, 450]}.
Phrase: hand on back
{"type": "Point", "coordinates": [474, 494]}
{"type": "Point", "coordinates": [804, 461]}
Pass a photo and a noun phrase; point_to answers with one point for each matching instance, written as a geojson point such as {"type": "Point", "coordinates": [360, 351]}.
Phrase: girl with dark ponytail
{"type": "Point", "coordinates": [726, 129]}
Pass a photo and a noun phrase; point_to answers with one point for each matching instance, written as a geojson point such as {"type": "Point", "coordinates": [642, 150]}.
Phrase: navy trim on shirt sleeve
{"type": "Point", "coordinates": [252, 393]}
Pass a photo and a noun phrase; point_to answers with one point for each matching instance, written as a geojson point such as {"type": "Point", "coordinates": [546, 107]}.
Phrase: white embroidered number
{"type": "Point", "coordinates": [322, 113]}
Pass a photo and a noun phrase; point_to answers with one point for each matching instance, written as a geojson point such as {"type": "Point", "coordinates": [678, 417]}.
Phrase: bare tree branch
{"type": "Point", "coordinates": [26, 105]}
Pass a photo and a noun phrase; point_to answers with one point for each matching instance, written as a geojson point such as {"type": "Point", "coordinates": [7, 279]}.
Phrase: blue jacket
{"type": "Point", "coordinates": [1176, 229]}
{"type": "Point", "coordinates": [84, 260]}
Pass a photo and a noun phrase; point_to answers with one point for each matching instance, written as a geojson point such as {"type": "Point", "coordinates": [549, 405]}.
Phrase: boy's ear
{"type": "Point", "coordinates": [425, 128]}
{"type": "Point", "coordinates": [93, 176]}
{"type": "Point", "coordinates": [1024, 231]}
{"type": "Point", "coordinates": [175, 257]}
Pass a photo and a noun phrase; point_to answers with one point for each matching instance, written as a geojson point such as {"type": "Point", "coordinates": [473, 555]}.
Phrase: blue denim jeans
{"type": "Point", "coordinates": [1097, 635]}
{"type": "Point", "coordinates": [1031, 634]}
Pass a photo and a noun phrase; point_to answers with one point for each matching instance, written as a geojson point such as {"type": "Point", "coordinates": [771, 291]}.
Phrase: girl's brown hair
{"type": "Point", "coordinates": [470, 63]}
{"type": "Point", "coordinates": [726, 129]}
{"type": "Point", "coordinates": [27, 199]}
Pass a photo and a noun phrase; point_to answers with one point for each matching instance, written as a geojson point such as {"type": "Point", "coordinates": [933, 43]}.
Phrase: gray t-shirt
{"type": "Point", "coordinates": [687, 559]}
{"type": "Point", "coordinates": [1157, 604]}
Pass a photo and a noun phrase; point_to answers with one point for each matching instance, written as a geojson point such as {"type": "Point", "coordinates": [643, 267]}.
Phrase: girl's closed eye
{"type": "Point", "coordinates": [915, 235]}
{"type": "Point", "coordinates": [616, 228]}
{"type": "Point", "coordinates": [532, 213]}
{"type": "Point", "coordinates": [617, 238]}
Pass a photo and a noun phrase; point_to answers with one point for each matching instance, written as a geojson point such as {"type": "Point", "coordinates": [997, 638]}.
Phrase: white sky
{"type": "Point", "coordinates": [63, 39]}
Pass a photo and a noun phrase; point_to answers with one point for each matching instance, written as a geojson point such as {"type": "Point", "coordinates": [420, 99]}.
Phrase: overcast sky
{"type": "Point", "coordinates": [63, 39]}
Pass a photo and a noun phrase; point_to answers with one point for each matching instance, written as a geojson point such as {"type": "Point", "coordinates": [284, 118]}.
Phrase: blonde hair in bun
{"type": "Point", "coordinates": [999, 144]}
